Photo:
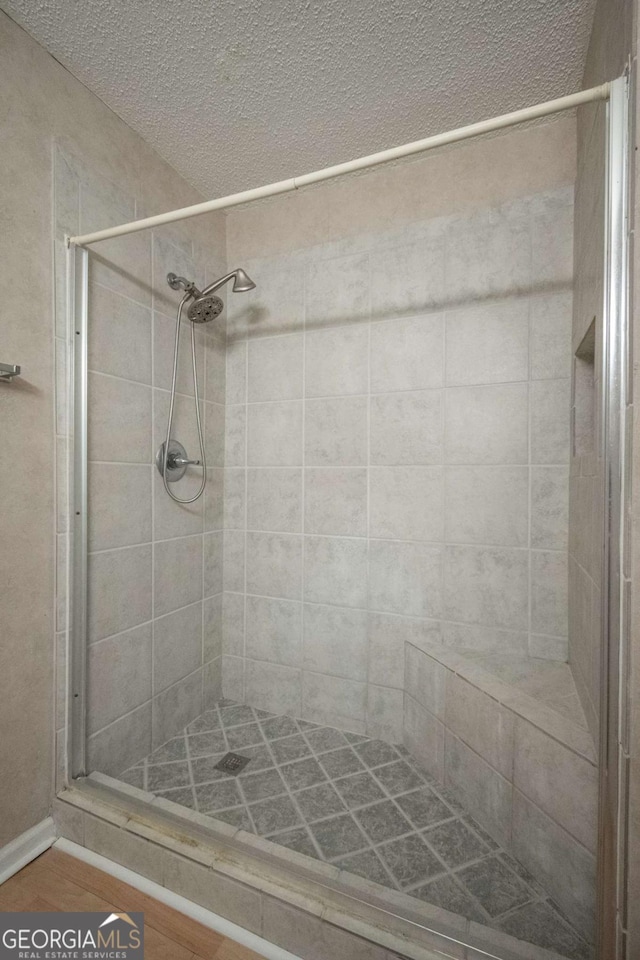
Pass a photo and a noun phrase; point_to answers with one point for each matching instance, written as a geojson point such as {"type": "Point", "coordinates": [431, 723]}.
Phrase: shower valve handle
{"type": "Point", "coordinates": [181, 462]}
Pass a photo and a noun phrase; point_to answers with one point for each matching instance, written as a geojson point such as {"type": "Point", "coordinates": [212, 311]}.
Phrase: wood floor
{"type": "Point", "coordinates": [56, 881]}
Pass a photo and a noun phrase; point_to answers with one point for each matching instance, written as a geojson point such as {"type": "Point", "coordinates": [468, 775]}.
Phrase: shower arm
{"type": "Point", "coordinates": [219, 283]}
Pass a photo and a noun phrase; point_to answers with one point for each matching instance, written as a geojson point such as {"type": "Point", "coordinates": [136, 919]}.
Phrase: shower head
{"type": "Point", "coordinates": [206, 307]}
{"type": "Point", "coordinates": [203, 309]}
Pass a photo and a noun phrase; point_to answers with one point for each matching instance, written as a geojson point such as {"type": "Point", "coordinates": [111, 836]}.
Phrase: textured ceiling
{"type": "Point", "coordinates": [237, 94]}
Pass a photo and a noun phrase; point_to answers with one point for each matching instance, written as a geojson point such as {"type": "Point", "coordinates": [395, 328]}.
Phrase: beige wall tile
{"type": "Point", "coordinates": [337, 290]}
{"type": "Point", "coordinates": [335, 571]}
{"type": "Point", "coordinates": [177, 573]}
{"type": "Point", "coordinates": [177, 646]}
{"type": "Point", "coordinates": [406, 428]}
{"type": "Point", "coordinates": [119, 420]}
{"type": "Point", "coordinates": [334, 700]}
{"type": "Point", "coordinates": [335, 641]}
{"type": "Point", "coordinates": [274, 499]}
{"type": "Point", "coordinates": [564, 866]}
{"type": "Point", "coordinates": [407, 354]}
{"type": "Point", "coordinates": [118, 676]}
{"type": "Point", "coordinates": [274, 434]}
{"type": "Point", "coordinates": [563, 784]}
{"type": "Point", "coordinates": [126, 574]}
{"type": "Point", "coordinates": [486, 794]}
{"type": "Point", "coordinates": [335, 501]}
{"type": "Point", "coordinates": [275, 368]}
{"type": "Point", "coordinates": [175, 707]}
{"type": "Point", "coordinates": [274, 565]}
{"type": "Point", "coordinates": [550, 410]}
{"type": "Point", "coordinates": [487, 424]}
{"type": "Point", "coordinates": [336, 361]}
{"type": "Point", "coordinates": [406, 503]}
{"type": "Point", "coordinates": [549, 584]}
{"type": "Point", "coordinates": [425, 681]}
{"type": "Point", "coordinates": [487, 586]}
{"type": "Point", "coordinates": [488, 505]}
{"type": "Point", "coordinates": [488, 343]}
{"type": "Point", "coordinates": [336, 432]}
{"type": "Point", "coordinates": [482, 723]}
{"type": "Point", "coordinates": [405, 578]}
{"type": "Point", "coordinates": [119, 505]}
{"type": "Point", "coordinates": [119, 340]}
{"type": "Point", "coordinates": [274, 630]}
{"type": "Point", "coordinates": [273, 687]}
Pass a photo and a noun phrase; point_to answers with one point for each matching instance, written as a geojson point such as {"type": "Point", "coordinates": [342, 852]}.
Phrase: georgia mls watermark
{"type": "Point", "coordinates": [71, 936]}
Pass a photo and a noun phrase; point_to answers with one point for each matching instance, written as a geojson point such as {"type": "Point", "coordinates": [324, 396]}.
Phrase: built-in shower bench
{"type": "Point", "coordinates": [507, 735]}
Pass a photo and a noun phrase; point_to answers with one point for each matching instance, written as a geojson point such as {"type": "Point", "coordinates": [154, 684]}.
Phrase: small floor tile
{"type": "Point", "coordinates": [298, 840]}
{"type": "Point", "coordinates": [449, 895]}
{"type": "Point", "coordinates": [398, 778]}
{"type": "Point", "coordinates": [318, 802]}
{"type": "Point", "coordinates": [290, 748]}
{"type": "Point", "coordinates": [233, 716]}
{"type": "Point", "coordinates": [359, 789]}
{"type": "Point", "coordinates": [375, 752]}
{"type": "Point", "coordinates": [338, 836]}
{"type": "Point", "coordinates": [339, 763]}
{"type": "Point", "coordinates": [204, 769]}
{"type": "Point", "coordinates": [278, 727]}
{"type": "Point", "coordinates": [325, 738]}
{"type": "Point", "coordinates": [175, 749]}
{"type": "Point", "coordinates": [259, 786]}
{"type": "Point", "coordinates": [494, 886]}
{"type": "Point", "coordinates": [217, 796]}
{"type": "Point", "coordinates": [260, 758]}
{"type": "Point", "coordinates": [382, 821]}
{"type": "Point", "coordinates": [206, 744]}
{"type": "Point", "coordinates": [243, 736]}
{"type": "Point", "coordinates": [274, 815]}
{"type": "Point", "coordinates": [182, 795]}
{"type": "Point", "coordinates": [163, 776]}
{"type": "Point", "coordinates": [134, 776]}
{"type": "Point", "coordinates": [302, 773]}
{"type": "Point", "coordinates": [236, 817]}
{"type": "Point", "coordinates": [539, 923]}
{"type": "Point", "coordinates": [454, 843]}
{"type": "Point", "coordinates": [410, 860]}
{"type": "Point", "coordinates": [207, 721]}
{"type": "Point", "coordinates": [367, 865]}
{"type": "Point", "coordinates": [424, 807]}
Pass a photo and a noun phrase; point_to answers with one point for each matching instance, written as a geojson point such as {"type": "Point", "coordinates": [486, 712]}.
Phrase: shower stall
{"type": "Point", "coordinates": [338, 618]}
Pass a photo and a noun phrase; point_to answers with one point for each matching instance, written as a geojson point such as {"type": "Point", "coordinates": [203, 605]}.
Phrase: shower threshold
{"type": "Point", "coordinates": [361, 805]}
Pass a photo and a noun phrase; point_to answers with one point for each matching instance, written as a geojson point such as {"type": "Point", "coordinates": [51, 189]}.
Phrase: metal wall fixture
{"type": "Point", "coordinates": [171, 459]}
{"type": "Point", "coordinates": [8, 371]}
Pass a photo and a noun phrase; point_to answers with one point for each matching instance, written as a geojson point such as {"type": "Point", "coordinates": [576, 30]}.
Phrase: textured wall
{"type": "Point", "coordinates": [155, 567]}
{"type": "Point", "coordinates": [42, 102]}
{"type": "Point", "coordinates": [398, 427]}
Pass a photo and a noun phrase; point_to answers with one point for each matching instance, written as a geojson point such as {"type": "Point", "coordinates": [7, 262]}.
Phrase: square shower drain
{"type": "Point", "coordinates": [232, 763]}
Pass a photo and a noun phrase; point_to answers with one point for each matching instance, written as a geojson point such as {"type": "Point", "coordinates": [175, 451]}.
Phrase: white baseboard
{"type": "Point", "coordinates": [25, 848]}
{"type": "Point", "coordinates": [270, 951]}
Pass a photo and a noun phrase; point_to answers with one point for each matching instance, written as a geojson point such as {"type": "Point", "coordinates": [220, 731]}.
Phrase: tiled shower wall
{"type": "Point", "coordinates": [155, 568]}
{"type": "Point", "coordinates": [397, 441]}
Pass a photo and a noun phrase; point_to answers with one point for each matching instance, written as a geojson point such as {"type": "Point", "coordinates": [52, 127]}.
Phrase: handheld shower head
{"type": "Point", "coordinates": [203, 309]}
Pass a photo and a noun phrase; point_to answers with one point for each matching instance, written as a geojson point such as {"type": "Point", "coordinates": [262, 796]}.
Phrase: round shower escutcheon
{"type": "Point", "coordinates": [177, 461]}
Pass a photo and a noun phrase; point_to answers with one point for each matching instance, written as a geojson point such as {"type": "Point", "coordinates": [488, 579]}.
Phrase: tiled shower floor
{"type": "Point", "coordinates": [360, 804]}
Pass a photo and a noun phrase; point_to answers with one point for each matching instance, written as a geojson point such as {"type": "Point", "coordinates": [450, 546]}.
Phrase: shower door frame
{"type": "Point", "coordinates": [615, 447]}
{"type": "Point", "coordinates": [616, 421]}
